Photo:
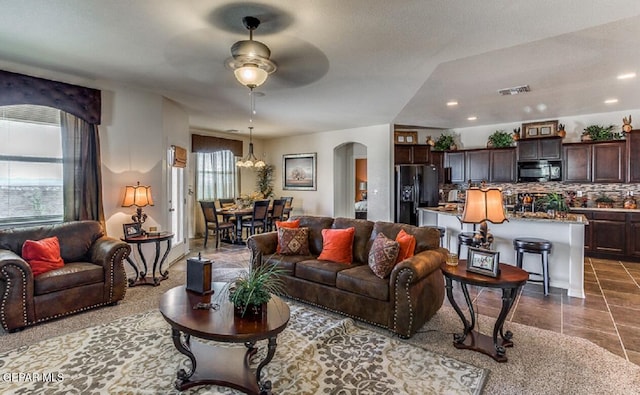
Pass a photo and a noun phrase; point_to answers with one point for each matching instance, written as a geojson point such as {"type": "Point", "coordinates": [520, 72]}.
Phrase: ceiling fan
{"type": "Point", "coordinates": [250, 59]}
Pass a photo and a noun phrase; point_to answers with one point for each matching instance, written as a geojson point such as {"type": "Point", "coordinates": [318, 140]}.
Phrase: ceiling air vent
{"type": "Point", "coordinates": [515, 90]}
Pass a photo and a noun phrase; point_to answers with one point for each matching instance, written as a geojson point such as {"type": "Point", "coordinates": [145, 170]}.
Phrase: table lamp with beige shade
{"type": "Point", "coordinates": [482, 205]}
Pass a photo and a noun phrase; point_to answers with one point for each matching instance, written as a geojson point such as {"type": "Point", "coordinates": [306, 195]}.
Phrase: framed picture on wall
{"type": "Point", "coordinates": [299, 172]}
{"type": "Point", "coordinates": [540, 129]}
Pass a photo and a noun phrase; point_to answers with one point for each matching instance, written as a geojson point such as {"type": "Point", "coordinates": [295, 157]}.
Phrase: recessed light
{"type": "Point", "coordinates": [610, 101]}
{"type": "Point", "coordinates": [451, 103]}
{"type": "Point", "coordinates": [626, 76]}
{"type": "Point", "coordinates": [472, 118]}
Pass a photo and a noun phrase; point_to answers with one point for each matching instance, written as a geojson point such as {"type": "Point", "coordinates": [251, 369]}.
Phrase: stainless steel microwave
{"type": "Point", "coordinates": [539, 171]}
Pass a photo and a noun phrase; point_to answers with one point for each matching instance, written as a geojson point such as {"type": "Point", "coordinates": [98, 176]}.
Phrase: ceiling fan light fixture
{"type": "Point", "coordinates": [250, 75]}
{"type": "Point", "coordinates": [250, 59]}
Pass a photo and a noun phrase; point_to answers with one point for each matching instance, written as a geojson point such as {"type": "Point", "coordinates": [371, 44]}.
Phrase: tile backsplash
{"type": "Point", "coordinates": [591, 191]}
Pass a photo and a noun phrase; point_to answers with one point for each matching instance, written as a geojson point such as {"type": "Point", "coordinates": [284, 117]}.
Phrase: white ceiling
{"type": "Point", "coordinates": [342, 64]}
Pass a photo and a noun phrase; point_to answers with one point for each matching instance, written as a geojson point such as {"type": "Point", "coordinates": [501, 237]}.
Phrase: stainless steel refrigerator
{"type": "Point", "coordinates": [416, 186]}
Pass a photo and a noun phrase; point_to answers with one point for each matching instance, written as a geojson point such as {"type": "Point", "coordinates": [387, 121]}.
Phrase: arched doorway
{"type": "Point", "coordinates": [350, 172]}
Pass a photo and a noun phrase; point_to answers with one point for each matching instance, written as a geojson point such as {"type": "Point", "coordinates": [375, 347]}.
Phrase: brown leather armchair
{"type": "Point", "coordinates": [93, 274]}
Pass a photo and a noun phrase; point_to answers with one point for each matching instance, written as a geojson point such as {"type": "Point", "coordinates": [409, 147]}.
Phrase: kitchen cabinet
{"type": "Point", "coordinates": [503, 165]}
{"type": "Point", "coordinates": [540, 149]}
{"type": "Point", "coordinates": [477, 165]}
{"type": "Point", "coordinates": [611, 234]}
{"type": "Point", "coordinates": [455, 160]}
{"type": "Point", "coordinates": [633, 155]}
{"type": "Point", "coordinates": [411, 154]}
{"type": "Point", "coordinates": [633, 235]}
{"type": "Point", "coordinates": [609, 161]}
{"type": "Point", "coordinates": [436, 158]}
{"type": "Point", "coordinates": [595, 162]}
{"type": "Point", "coordinates": [608, 233]}
{"type": "Point", "coordinates": [576, 166]}
{"type": "Point", "coordinates": [492, 165]}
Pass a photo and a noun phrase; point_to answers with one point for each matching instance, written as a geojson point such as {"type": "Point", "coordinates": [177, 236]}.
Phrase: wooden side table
{"type": "Point", "coordinates": [141, 275]}
{"type": "Point", "coordinates": [510, 280]}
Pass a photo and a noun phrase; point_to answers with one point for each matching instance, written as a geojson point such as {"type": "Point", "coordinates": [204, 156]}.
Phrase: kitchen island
{"type": "Point", "coordinates": [566, 261]}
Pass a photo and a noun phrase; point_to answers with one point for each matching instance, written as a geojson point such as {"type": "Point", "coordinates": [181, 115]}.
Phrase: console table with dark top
{"type": "Point", "coordinates": [510, 280]}
{"type": "Point", "coordinates": [141, 275]}
{"type": "Point", "coordinates": [225, 366]}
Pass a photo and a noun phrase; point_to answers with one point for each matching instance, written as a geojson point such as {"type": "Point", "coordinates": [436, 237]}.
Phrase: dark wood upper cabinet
{"type": "Point", "coordinates": [537, 149]}
{"type": "Point", "coordinates": [576, 166]}
{"type": "Point", "coordinates": [609, 161]}
{"type": "Point", "coordinates": [436, 158]}
{"type": "Point", "coordinates": [503, 165]}
{"type": "Point", "coordinates": [455, 160]}
{"type": "Point", "coordinates": [402, 154]}
{"type": "Point", "coordinates": [421, 154]}
{"type": "Point", "coordinates": [595, 162]}
{"type": "Point", "coordinates": [633, 154]}
{"type": "Point", "coordinates": [477, 165]}
{"type": "Point", "coordinates": [411, 154]}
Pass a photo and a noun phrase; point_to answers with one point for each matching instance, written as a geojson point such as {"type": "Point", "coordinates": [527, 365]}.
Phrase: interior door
{"type": "Point", "coordinates": [177, 208]}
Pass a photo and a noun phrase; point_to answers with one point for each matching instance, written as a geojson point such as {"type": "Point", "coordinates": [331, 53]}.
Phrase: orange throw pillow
{"type": "Point", "coordinates": [294, 224]}
{"type": "Point", "coordinates": [407, 245]}
{"type": "Point", "coordinates": [43, 255]}
{"type": "Point", "coordinates": [337, 245]}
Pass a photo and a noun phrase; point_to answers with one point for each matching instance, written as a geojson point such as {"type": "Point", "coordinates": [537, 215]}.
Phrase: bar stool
{"type": "Point", "coordinates": [534, 245]}
{"type": "Point", "coordinates": [467, 239]}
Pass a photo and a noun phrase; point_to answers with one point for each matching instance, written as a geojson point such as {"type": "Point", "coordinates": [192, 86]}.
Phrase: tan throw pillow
{"type": "Point", "coordinates": [382, 256]}
{"type": "Point", "coordinates": [293, 241]}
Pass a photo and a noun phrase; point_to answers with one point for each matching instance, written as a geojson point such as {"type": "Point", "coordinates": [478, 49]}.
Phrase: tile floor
{"type": "Point", "coordinates": [609, 316]}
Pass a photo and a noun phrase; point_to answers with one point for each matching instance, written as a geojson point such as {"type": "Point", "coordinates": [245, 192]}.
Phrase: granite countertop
{"type": "Point", "coordinates": [572, 218]}
{"type": "Point", "coordinates": [614, 209]}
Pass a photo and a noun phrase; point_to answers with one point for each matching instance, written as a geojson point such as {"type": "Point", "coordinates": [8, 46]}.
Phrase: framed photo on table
{"type": "Point", "coordinates": [485, 262]}
{"type": "Point", "coordinates": [131, 230]}
{"type": "Point", "coordinates": [299, 172]}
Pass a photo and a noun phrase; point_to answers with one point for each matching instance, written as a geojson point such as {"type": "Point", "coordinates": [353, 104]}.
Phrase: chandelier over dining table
{"type": "Point", "coordinates": [250, 160]}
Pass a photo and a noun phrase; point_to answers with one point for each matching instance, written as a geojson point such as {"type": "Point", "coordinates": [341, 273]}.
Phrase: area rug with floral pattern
{"type": "Point", "coordinates": [316, 353]}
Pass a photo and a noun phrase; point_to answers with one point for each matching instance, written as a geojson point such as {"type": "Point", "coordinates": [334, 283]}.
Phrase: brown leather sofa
{"type": "Point", "coordinates": [93, 274]}
{"type": "Point", "coordinates": [401, 303]}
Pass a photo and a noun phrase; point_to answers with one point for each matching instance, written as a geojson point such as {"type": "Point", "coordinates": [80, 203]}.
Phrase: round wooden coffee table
{"type": "Point", "coordinates": [225, 366]}
{"type": "Point", "coordinates": [510, 280]}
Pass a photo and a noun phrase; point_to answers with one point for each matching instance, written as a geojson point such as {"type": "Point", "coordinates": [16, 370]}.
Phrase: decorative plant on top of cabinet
{"type": "Point", "coordinates": [600, 133]}
{"type": "Point", "coordinates": [500, 139]}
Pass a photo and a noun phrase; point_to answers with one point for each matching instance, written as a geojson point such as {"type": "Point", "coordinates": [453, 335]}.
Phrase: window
{"type": "Point", "coordinates": [216, 175]}
{"type": "Point", "coordinates": [30, 165]}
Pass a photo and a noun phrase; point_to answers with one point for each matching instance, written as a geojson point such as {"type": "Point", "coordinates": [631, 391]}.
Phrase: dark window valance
{"type": "Point", "coordinates": [85, 103]}
{"type": "Point", "coordinates": [201, 143]}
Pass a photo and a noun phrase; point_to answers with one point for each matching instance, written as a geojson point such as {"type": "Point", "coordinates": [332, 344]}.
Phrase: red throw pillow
{"type": "Point", "coordinates": [43, 255]}
{"type": "Point", "coordinates": [407, 245]}
{"type": "Point", "coordinates": [337, 245]}
{"type": "Point", "coordinates": [293, 224]}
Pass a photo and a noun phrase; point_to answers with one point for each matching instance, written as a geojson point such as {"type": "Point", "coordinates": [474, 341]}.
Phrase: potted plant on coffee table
{"type": "Point", "coordinates": [253, 288]}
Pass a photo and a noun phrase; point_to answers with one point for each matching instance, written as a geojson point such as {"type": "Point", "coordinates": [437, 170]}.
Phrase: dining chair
{"type": "Point", "coordinates": [258, 219]}
{"type": "Point", "coordinates": [277, 213]}
{"type": "Point", "coordinates": [211, 222]}
{"type": "Point", "coordinates": [287, 205]}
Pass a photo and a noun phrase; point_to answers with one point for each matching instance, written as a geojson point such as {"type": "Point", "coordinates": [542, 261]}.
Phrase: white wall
{"type": "Point", "coordinates": [378, 141]}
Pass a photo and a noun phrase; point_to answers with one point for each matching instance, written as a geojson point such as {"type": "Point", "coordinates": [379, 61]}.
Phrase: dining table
{"type": "Point", "coordinates": [235, 214]}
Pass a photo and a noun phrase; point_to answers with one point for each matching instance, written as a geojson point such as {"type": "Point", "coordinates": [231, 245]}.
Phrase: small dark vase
{"type": "Point", "coordinates": [251, 311]}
